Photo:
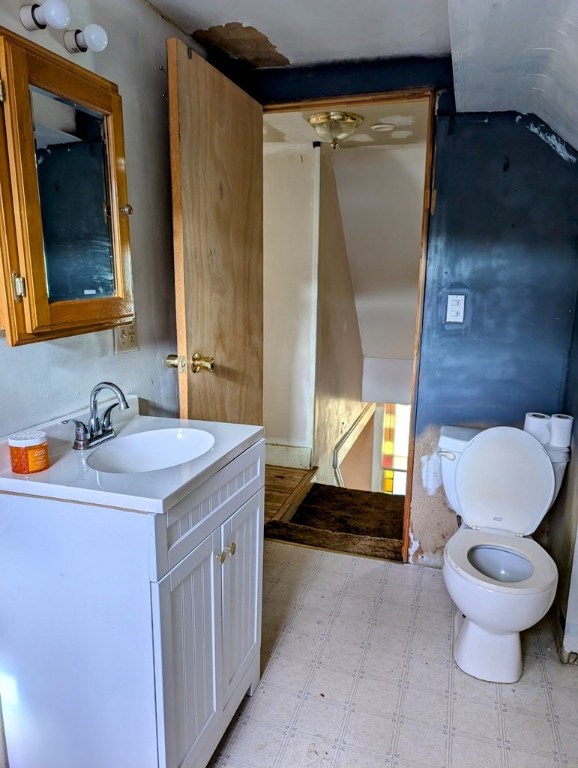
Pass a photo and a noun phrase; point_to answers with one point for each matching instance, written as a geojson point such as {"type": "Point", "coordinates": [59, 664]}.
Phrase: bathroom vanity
{"type": "Point", "coordinates": [130, 602]}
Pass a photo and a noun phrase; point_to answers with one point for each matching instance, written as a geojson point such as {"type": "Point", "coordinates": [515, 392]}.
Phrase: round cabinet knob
{"type": "Point", "coordinates": [126, 210]}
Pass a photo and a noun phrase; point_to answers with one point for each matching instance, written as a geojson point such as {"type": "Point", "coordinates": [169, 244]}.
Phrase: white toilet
{"type": "Point", "coordinates": [501, 481]}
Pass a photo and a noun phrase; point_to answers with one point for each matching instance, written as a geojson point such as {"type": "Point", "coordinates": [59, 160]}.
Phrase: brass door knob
{"type": "Point", "coordinates": [200, 363]}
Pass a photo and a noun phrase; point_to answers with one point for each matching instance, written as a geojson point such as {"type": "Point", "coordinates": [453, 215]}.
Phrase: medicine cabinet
{"type": "Point", "coordinates": [64, 232]}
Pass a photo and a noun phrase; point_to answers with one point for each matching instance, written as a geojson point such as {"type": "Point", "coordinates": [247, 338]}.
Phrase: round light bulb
{"type": "Point", "coordinates": [53, 13]}
{"type": "Point", "coordinates": [93, 37]}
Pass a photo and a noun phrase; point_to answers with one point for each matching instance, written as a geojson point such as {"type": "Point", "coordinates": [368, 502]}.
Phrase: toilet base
{"type": "Point", "coordinates": [486, 655]}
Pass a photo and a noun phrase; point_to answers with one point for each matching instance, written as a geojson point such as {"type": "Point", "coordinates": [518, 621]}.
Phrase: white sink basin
{"type": "Point", "coordinates": [147, 451]}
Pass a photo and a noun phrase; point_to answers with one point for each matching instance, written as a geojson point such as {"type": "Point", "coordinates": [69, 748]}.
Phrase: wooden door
{"type": "Point", "coordinates": [216, 134]}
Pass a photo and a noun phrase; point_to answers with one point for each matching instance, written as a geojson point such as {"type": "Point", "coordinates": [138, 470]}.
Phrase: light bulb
{"type": "Point", "coordinates": [93, 37]}
{"type": "Point", "coordinates": [52, 13]}
{"type": "Point", "coordinates": [55, 13]}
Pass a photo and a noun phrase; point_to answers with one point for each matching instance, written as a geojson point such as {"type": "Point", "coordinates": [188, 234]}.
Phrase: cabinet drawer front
{"type": "Point", "coordinates": [193, 518]}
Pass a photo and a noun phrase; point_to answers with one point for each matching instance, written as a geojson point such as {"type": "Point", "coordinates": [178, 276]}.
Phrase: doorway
{"type": "Point", "coordinates": [383, 234]}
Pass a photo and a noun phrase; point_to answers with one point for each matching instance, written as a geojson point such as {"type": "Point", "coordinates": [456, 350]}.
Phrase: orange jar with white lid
{"type": "Point", "coordinates": [28, 452]}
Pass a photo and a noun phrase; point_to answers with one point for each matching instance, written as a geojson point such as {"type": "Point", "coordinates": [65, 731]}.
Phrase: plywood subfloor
{"type": "Point", "coordinates": [285, 489]}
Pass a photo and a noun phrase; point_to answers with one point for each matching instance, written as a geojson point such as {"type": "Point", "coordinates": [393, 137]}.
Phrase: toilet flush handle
{"type": "Point", "coordinates": [447, 455]}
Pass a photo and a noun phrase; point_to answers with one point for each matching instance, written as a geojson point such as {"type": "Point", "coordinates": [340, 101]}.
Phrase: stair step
{"type": "Point", "coordinates": [285, 489]}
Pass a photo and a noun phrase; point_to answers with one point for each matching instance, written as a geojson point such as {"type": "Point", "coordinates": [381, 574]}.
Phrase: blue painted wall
{"type": "Point", "coordinates": [276, 84]}
{"type": "Point", "coordinates": [571, 399]}
{"type": "Point", "coordinates": [504, 232]}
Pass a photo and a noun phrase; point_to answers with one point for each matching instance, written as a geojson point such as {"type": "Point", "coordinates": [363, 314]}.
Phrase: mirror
{"type": "Point", "coordinates": [71, 164]}
{"type": "Point", "coordinates": [64, 232]}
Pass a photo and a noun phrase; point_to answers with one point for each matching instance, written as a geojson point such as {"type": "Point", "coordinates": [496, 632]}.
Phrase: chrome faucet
{"type": "Point", "coordinates": [98, 429]}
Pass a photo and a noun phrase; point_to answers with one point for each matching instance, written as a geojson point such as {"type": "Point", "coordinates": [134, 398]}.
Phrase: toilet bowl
{"type": "Point", "coordinates": [501, 481]}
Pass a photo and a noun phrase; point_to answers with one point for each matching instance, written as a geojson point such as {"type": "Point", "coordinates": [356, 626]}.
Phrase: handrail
{"type": "Point", "coordinates": [346, 441]}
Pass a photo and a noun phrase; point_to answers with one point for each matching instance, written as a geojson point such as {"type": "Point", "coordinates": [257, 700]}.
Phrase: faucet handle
{"type": "Point", "coordinates": [81, 434]}
{"type": "Point", "coordinates": [106, 421]}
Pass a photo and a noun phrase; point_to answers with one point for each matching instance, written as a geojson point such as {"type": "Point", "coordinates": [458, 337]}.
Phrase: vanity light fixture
{"type": "Point", "coordinates": [334, 127]}
{"type": "Point", "coordinates": [92, 38]}
{"type": "Point", "coordinates": [52, 13]}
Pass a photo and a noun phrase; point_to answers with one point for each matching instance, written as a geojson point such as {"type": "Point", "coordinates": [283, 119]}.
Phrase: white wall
{"type": "Point", "coordinates": [518, 56]}
{"type": "Point", "coordinates": [381, 193]}
{"type": "Point", "coordinates": [386, 381]}
{"type": "Point", "coordinates": [339, 357]}
{"type": "Point", "coordinates": [44, 380]}
{"type": "Point", "coordinates": [290, 297]}
{"type": "Point", "coordinates": [569, 643]}
{"type": "Point", "coordinates": [561, 541]}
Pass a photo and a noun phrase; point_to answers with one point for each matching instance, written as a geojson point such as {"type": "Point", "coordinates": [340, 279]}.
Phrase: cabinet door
{"type": "Point", "coordinates": [187, 636]}
{"type": "Point", "coordinates": [64, 232]}
{"type": "Point", "coordinates": [241, 584]}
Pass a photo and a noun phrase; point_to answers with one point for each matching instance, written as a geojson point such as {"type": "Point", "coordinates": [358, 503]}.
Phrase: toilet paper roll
{"type": "Point", "coordinates": [560, 430]}
{"type": "Point", "coordinates": [538, 425]}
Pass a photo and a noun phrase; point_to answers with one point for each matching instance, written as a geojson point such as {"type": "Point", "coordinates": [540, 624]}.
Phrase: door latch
{"type": "Point", "coordinates": [177, 361]}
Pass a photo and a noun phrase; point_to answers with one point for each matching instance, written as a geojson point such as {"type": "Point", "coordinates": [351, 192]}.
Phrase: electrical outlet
{"type": "Point", "coordinates": [125, 338]}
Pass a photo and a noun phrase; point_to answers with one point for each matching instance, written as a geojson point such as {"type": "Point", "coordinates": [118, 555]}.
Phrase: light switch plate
{"type": "Point", "coordinates": [455, 308]}
{"type": "Point", "coordinates": [125, 338]}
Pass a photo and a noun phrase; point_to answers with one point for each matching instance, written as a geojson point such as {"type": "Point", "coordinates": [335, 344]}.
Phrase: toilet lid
{"type": "Point", "coordinates": [504, 480]}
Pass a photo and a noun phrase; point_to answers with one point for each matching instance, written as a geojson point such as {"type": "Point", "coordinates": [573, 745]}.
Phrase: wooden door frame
{"type": "Point", "coordinates": [414, 94]}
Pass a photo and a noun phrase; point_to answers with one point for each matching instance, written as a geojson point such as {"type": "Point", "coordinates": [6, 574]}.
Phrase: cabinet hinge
{"type": "Point", "coordinates": [1, 92]}
{"type": "Point", "coordinates": [19, 286]}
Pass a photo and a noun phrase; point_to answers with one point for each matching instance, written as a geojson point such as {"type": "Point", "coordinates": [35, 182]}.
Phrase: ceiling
{"type": "Point", "coordinates": [307, 32]}
{"type": "Point", "coordinates": [389, 124]}
{"type": "Point", "coordinates": [517, 55]}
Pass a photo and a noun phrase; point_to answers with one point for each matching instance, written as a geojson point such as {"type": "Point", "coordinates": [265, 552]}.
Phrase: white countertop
{"type": "Point", "coordinates": [70, 478]}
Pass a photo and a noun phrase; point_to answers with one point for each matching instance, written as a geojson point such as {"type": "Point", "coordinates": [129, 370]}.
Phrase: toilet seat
{"type": "Point", "coordinates": [504, 481]}
{"type": "Point", "coordinates": [456, 556]}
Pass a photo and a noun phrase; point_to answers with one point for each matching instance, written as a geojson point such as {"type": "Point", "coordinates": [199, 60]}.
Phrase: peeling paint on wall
{"type": "Point", "coordinates": [432, 521]}
{"type": "Point", "coordinates": [243, 43]}
{"type": "Point", "coordinates": [414, 546]}
{"type": "Point", "coordinates": [431, 473]}
{"type": "Point", "coordinates": [552, 140]}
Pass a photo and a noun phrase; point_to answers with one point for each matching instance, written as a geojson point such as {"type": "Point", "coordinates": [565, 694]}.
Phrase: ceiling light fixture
{"type": "Point", "coordinates": [92, 38]}
{"type": "Point", "coordinates": [335, 127]}
{"type": "Point", "coordinates": [52, 13]}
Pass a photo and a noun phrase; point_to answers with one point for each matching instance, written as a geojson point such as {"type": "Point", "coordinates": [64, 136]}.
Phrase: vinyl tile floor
{"type": "Point", "coordinates": [358, 673]}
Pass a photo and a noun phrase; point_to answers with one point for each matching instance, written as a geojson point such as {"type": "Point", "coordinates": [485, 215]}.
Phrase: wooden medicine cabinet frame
{"type": "Point", "coordinates": [26, 313]}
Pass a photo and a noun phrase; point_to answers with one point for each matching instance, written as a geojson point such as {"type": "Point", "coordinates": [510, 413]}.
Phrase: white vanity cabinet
{"type": "Point", "coordinates": [209, 617]}
{"type": "Point", "coordinates": [128, 638]}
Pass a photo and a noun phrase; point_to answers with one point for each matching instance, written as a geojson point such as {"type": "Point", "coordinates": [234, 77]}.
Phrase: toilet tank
{"type": "Point", "coordinates": [451, 443]}
{"type": "Point", "coordinates": [559, 458]}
